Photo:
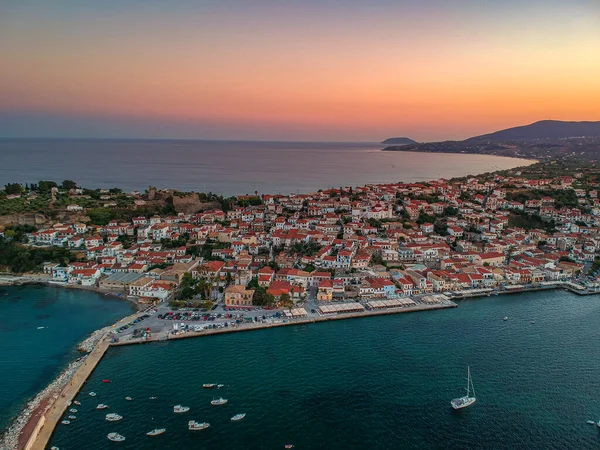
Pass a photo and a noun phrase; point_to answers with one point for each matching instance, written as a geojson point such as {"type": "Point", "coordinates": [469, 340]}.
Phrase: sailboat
{"type": "Point", "coordinates": [467, 400]}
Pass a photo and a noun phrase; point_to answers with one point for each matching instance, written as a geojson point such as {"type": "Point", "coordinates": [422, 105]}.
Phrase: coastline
{"type": "Point", "coordinates": [42, 280]}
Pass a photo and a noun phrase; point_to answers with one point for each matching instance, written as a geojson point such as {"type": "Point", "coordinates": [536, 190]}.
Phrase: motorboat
{"type": "Point", "coordinates": [92, 394]}
{"type": "Point", "coordinates": [505, 318]}
{"type": "Point", "coordinates": [195, 426]}
{"type": "Point", "coordinates": [591, 422]}
{"type": "Point", "coordinates": [101, 406]}
{"type": "Point", "coordinates": [113, 417]}
{"type": "Point", "coordinates": [289, 446]}
{"type": "Point", "coordinates": [75, 402]}
{"type": "Point", "coordinates": [40, 328]}
{"type": "Point", "coordinates": [54, 447]}
{"type": "Point", "coordinates": [128, 399]}
{"type": "Point", "coordinates": [532, 322]}
{"type": "Point", "coordinates": [208, 385]}
{"type": "Point", "coordinates": [115, 437]}
{"type": "Point", "coordinates": [180, 409]}
{"type": "Point", "coordinates": [218, 401]}
{"type": "Point", "coordinates": [106, 381]}
{"type": "Point", "coordinates": [73, 410]}
{"type": "Point", "coordinates": [72, 417]}
{"type": "Point", "coordinates": [238, 417]}
{"type": "Point", "coordinates": [156, 432]}
{"type": "Point", "coordinates": [66, 422]}
{"type": "Point", "coordinates": [467, 400]}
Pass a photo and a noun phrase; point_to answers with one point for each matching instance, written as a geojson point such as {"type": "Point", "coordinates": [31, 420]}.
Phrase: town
{"type": "Point", "coordinates": [341, 251]}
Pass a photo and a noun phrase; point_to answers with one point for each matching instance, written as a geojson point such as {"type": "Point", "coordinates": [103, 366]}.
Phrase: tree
{"type": "Point", "coordinates": [13, 189]}
{"type": "Point", "coordinates": [100, 216]}
{"type": "Point", "coordinates": [46, 186]}
{"type": "Point", "coordinates": [285, 300]}
{"type": "Point", "coordinates": [69, 184]}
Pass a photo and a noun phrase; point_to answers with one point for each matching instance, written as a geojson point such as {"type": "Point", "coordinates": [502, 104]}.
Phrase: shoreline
{"type": "Point", "coordinates": [7, 280]}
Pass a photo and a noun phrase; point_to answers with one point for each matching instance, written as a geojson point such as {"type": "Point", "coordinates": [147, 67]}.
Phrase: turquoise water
{"type": "Point", "coordinates": [372, 383]}
{"type": "Point", "coordinates": [30, 358]}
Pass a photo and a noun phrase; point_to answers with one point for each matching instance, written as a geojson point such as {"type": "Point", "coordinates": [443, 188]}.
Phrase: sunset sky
{"type": "Point", "coordinates": [344, 70]}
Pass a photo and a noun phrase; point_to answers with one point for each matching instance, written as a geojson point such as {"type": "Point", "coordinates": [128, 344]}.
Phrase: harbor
{"type": "Point", "coordinates": [312, 375]}
{"type": "Point", "coordinates": [41, 421]}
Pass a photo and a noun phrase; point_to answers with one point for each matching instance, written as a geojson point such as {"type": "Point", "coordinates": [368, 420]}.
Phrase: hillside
{"type": "Point", "coordinates": [544, 129]}
{"type": "Point", "coordinates": [399, 141]}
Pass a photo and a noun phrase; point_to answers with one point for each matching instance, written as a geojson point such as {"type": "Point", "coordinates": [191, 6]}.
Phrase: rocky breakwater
{"type": "Point", "coordinates": [25, 423]}
{"type": "Point", "coordinates": [17, 432]}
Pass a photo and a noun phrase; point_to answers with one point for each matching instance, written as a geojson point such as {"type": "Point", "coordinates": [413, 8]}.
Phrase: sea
{"type": "Point", "coordinates": [372, 383]}
{"type": "Point", "coordinates": [32, 357]}
{"type": "Point", "coordinates": [229, 167]}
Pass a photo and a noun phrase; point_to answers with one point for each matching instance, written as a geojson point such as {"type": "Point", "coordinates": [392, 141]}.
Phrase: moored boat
{"type": "Point", "coordinates": [66, 422]}
{"type": "Point", "coordinates": [505, 318]}
{"type": "Point", "coordinates": [467, 400]}
{"type": "Point", "coordinates": [219, 386]}
{"type": "Point", "coordinates": [289, 446]}
{"type": "Point", "coordinates": [115, 437]}
{"type": "Point", "coordinates": [218, 401]}
{"type": "Point", "coordinates": [152, 398]}
{"type": "Point", "coordinates": [54, 447]}
{"type": "Point", "coordinates": [106, 381]}
{"type": "Point", "coordinates": [591, 422]}
{"type": "Point", "coordinates": [101, 406]}
{"type": "Point", "coordinates": [113, 417]}
{"type": "Point", "coordinates": [75, 402]}
{"type": "Point", "coordinates": [180, 409]}
{"type": "Point", "coordinates": [156, 432]}
{"type": "Point", "coordinates": [73, 410]}
{"type": "Point", "coordinates": [195, 426]}
{"type": "Point", "coordinates": [238, 417]}
{"type": "Point", "coordinates": [128, 399]}
{"type": "Point", "coordinates": [208, 385]}
{"type": "Point", "coordinates": [92, 394]}
{"type": "Point", "coordinates": [72, 417]}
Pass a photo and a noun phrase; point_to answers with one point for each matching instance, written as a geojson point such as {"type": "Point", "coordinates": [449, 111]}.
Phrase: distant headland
{"type": "Point", "coordinates": [543, 140]}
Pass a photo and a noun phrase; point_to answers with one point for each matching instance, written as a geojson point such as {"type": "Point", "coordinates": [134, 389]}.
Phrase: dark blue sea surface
{"type": "Point", "coordinates": [30, 358]}
{"type": "Point", "coordinates": [371, 383]}
{"type": "Point", "coordinates": [228, 167]}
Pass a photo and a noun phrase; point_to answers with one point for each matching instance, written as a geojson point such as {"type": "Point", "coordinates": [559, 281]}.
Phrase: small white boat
{"type": "Point", "coordinates": [532, 322]}
{"type": "Point", "coordinates": [289, 446]}
{"type": "Point", "coordinates": [113, 417]}
{"type": "Point", "coordinates": [208, 385]}
{"type": "Point", "coordinates": [238, 417]}
{"type": "Point", "coordinates": [115, 437]}
{"type": "Point", "coordinates": [75, 402]}
{"type": "Point", "coordinates": [591, 422]}
{"type": "Point", "coordinates": [195, 426]}
{"type": "Point", "coordinates": [101, 406]}
{"type": "Point", "coordinates": [467, 400]}
{"type": "Point", "coordinates": [54, 447]}
{"type": "Point", "coordinates": [72, 417]}
{"type": "Point", "coordinates": [219, 386]}
{"type": "Point", "coordinates": [41, 328]}
{"type": "Point", "coordinates": [505, 318]}
{"type": "Point", "coordinates": [73, 410]}
{"type": "Point", "coordinates": [128, 399]}
{"type": "Point", "coordinates": [66, 422]}
{"type": "Point", "coordinates": [152, 398]}
{"type": "Point", "coordinates": [92, 394]}
{"type": "Point", "coordinates": [218, 401]}
{"type": "Point", "coordinates": [178, 409]}
{"type": "Point", "coordinates": [156, 432]}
